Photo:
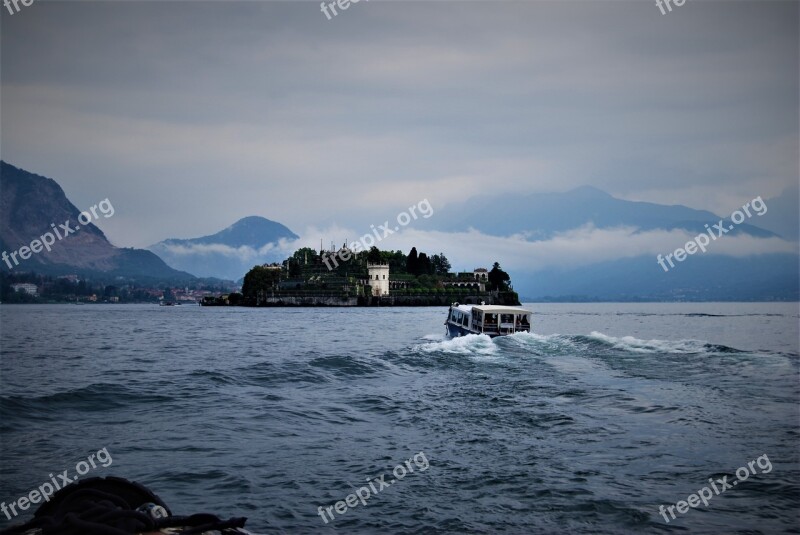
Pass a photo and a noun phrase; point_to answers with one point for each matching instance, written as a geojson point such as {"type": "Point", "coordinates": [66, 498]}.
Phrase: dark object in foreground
{"type": "Point", "coordinates": [116, 506]}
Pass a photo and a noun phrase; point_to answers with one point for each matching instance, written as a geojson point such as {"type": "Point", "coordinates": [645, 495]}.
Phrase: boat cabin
{"type": "Point", "coordinates": [492, 320]}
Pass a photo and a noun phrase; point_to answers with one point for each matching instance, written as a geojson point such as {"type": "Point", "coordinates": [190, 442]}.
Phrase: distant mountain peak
{"type": "Point", "coordinates": [230, 252]}
{"type": "Point", "coordinates": [251, 231]}
{"type": "Point", "coordinates": [249, 222]}
{"type": "Point", "coordinates": [252, 219]}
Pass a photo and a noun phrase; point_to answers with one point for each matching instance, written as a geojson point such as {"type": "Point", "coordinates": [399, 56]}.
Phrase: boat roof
{"type": "Point", "coordinates": [500, 309]}
{"type": "Point", "coordinates": [493, 309]}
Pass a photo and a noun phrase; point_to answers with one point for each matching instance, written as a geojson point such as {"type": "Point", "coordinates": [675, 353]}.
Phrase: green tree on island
{"type": "Point", "coordinates": [498, 279]}
{"type": "Point", "coordinates": [374, 256]}
{"type": "Point", "coordinates": [424, 266]}
{"type": "Point", "coordinates": [411, 262]}
{"type": "Point", "coordinates": [259, 280]}
{"type": "Point", "coordinates": [441, 266]}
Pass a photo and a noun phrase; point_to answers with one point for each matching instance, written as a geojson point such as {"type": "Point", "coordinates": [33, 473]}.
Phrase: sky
{"type": "Point", "coordinates": [191, 115]}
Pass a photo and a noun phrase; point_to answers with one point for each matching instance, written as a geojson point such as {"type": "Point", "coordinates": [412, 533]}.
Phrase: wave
{"type": "Point", "coordinates": [345, 365]}
{"type": "Point", "coordinates": [99, 397]}
{"type": "Point", "coordinates": [636, 345]}
{"type": "Point", "coordinates": [556, 344]}
{"type": "Point", "coordinates": [472, 344]}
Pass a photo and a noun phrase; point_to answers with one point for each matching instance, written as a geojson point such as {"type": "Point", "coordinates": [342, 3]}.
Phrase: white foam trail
{"type": "Point", "coordinates": [558, 343]}
{"type": "Point", "coordinates": [636, 345]}
{"type": "Point", "coordinates": [631, 344]}
{"type": "Point", "coordinates": [524, 337]}
{"type": "Point", "coordinates": [548, 342]}
{"type": "Point", "coordinates": [472, 344]}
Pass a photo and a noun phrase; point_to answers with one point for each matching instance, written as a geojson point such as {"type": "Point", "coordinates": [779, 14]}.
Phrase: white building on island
{"type": "Point", "coordinates": [378, 278]}
{"type": "Point", "coordinates": [28, 288]}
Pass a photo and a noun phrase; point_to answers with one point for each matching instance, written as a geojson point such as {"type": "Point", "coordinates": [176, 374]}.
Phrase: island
{"type": "Point", "coordinates": [345, 277]}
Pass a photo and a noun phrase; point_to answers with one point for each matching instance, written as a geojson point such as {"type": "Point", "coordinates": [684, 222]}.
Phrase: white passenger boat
{"type": "Point", "coordinates": [491, 320]}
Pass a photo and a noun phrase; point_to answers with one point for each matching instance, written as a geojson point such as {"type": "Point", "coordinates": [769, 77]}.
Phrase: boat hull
{"type": "Point", "coordinates": [454, 330]}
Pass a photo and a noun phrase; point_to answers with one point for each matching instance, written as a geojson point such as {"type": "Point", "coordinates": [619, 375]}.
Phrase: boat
{"type": "Point", "coordinates": [491, 320]}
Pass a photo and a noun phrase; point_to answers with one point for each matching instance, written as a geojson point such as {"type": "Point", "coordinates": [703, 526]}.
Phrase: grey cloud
{"type": "Point", "coordinates": [271, 109]}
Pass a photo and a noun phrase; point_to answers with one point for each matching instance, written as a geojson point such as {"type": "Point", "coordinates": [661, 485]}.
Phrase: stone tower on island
{"type": "Point", "coordinates": [378, 278]}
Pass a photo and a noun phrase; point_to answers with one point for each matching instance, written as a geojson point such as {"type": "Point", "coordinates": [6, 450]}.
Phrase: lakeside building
{"type": "Point", "coordinates": [28, 288]}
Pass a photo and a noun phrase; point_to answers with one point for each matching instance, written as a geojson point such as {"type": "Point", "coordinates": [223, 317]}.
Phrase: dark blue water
{"type": "Point", "coordinates": [587, 426]}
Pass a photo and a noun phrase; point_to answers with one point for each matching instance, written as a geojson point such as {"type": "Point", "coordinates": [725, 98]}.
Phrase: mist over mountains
{"type": "Point", "coordinates": [782, 218]}
{"type": "Point", "coordinates": [580, 245]}
{"type": "Point", "coordinates": [543, 215]}
{"type": "Point", "coordinates": [752, 263]}
{"type": "Point", "coordinates": [569, 237]}
{"type": "Point", "coordinates": [229, 253]}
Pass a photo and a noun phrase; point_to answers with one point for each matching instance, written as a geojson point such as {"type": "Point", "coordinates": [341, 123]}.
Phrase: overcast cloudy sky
{"type": "Point", "coordinates": [189, 116]}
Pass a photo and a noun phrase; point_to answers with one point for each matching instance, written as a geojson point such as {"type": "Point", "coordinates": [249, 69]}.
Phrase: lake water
{"type": "Point", "coordinates": [589, 425]}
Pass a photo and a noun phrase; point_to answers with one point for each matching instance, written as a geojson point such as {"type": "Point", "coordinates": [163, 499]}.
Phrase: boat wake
{"type": "Point", "coordinates": [472, 344]}
{"type": "Point", "coordinates": [555, 344]}
{"type": "Point", "coordinates": [636, 345]}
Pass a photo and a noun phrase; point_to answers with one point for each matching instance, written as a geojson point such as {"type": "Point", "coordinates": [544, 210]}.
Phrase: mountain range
{"type": "Point", "coordinates": [543, 217]}
{"type": "Point", "coordinates": [30, 203]}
